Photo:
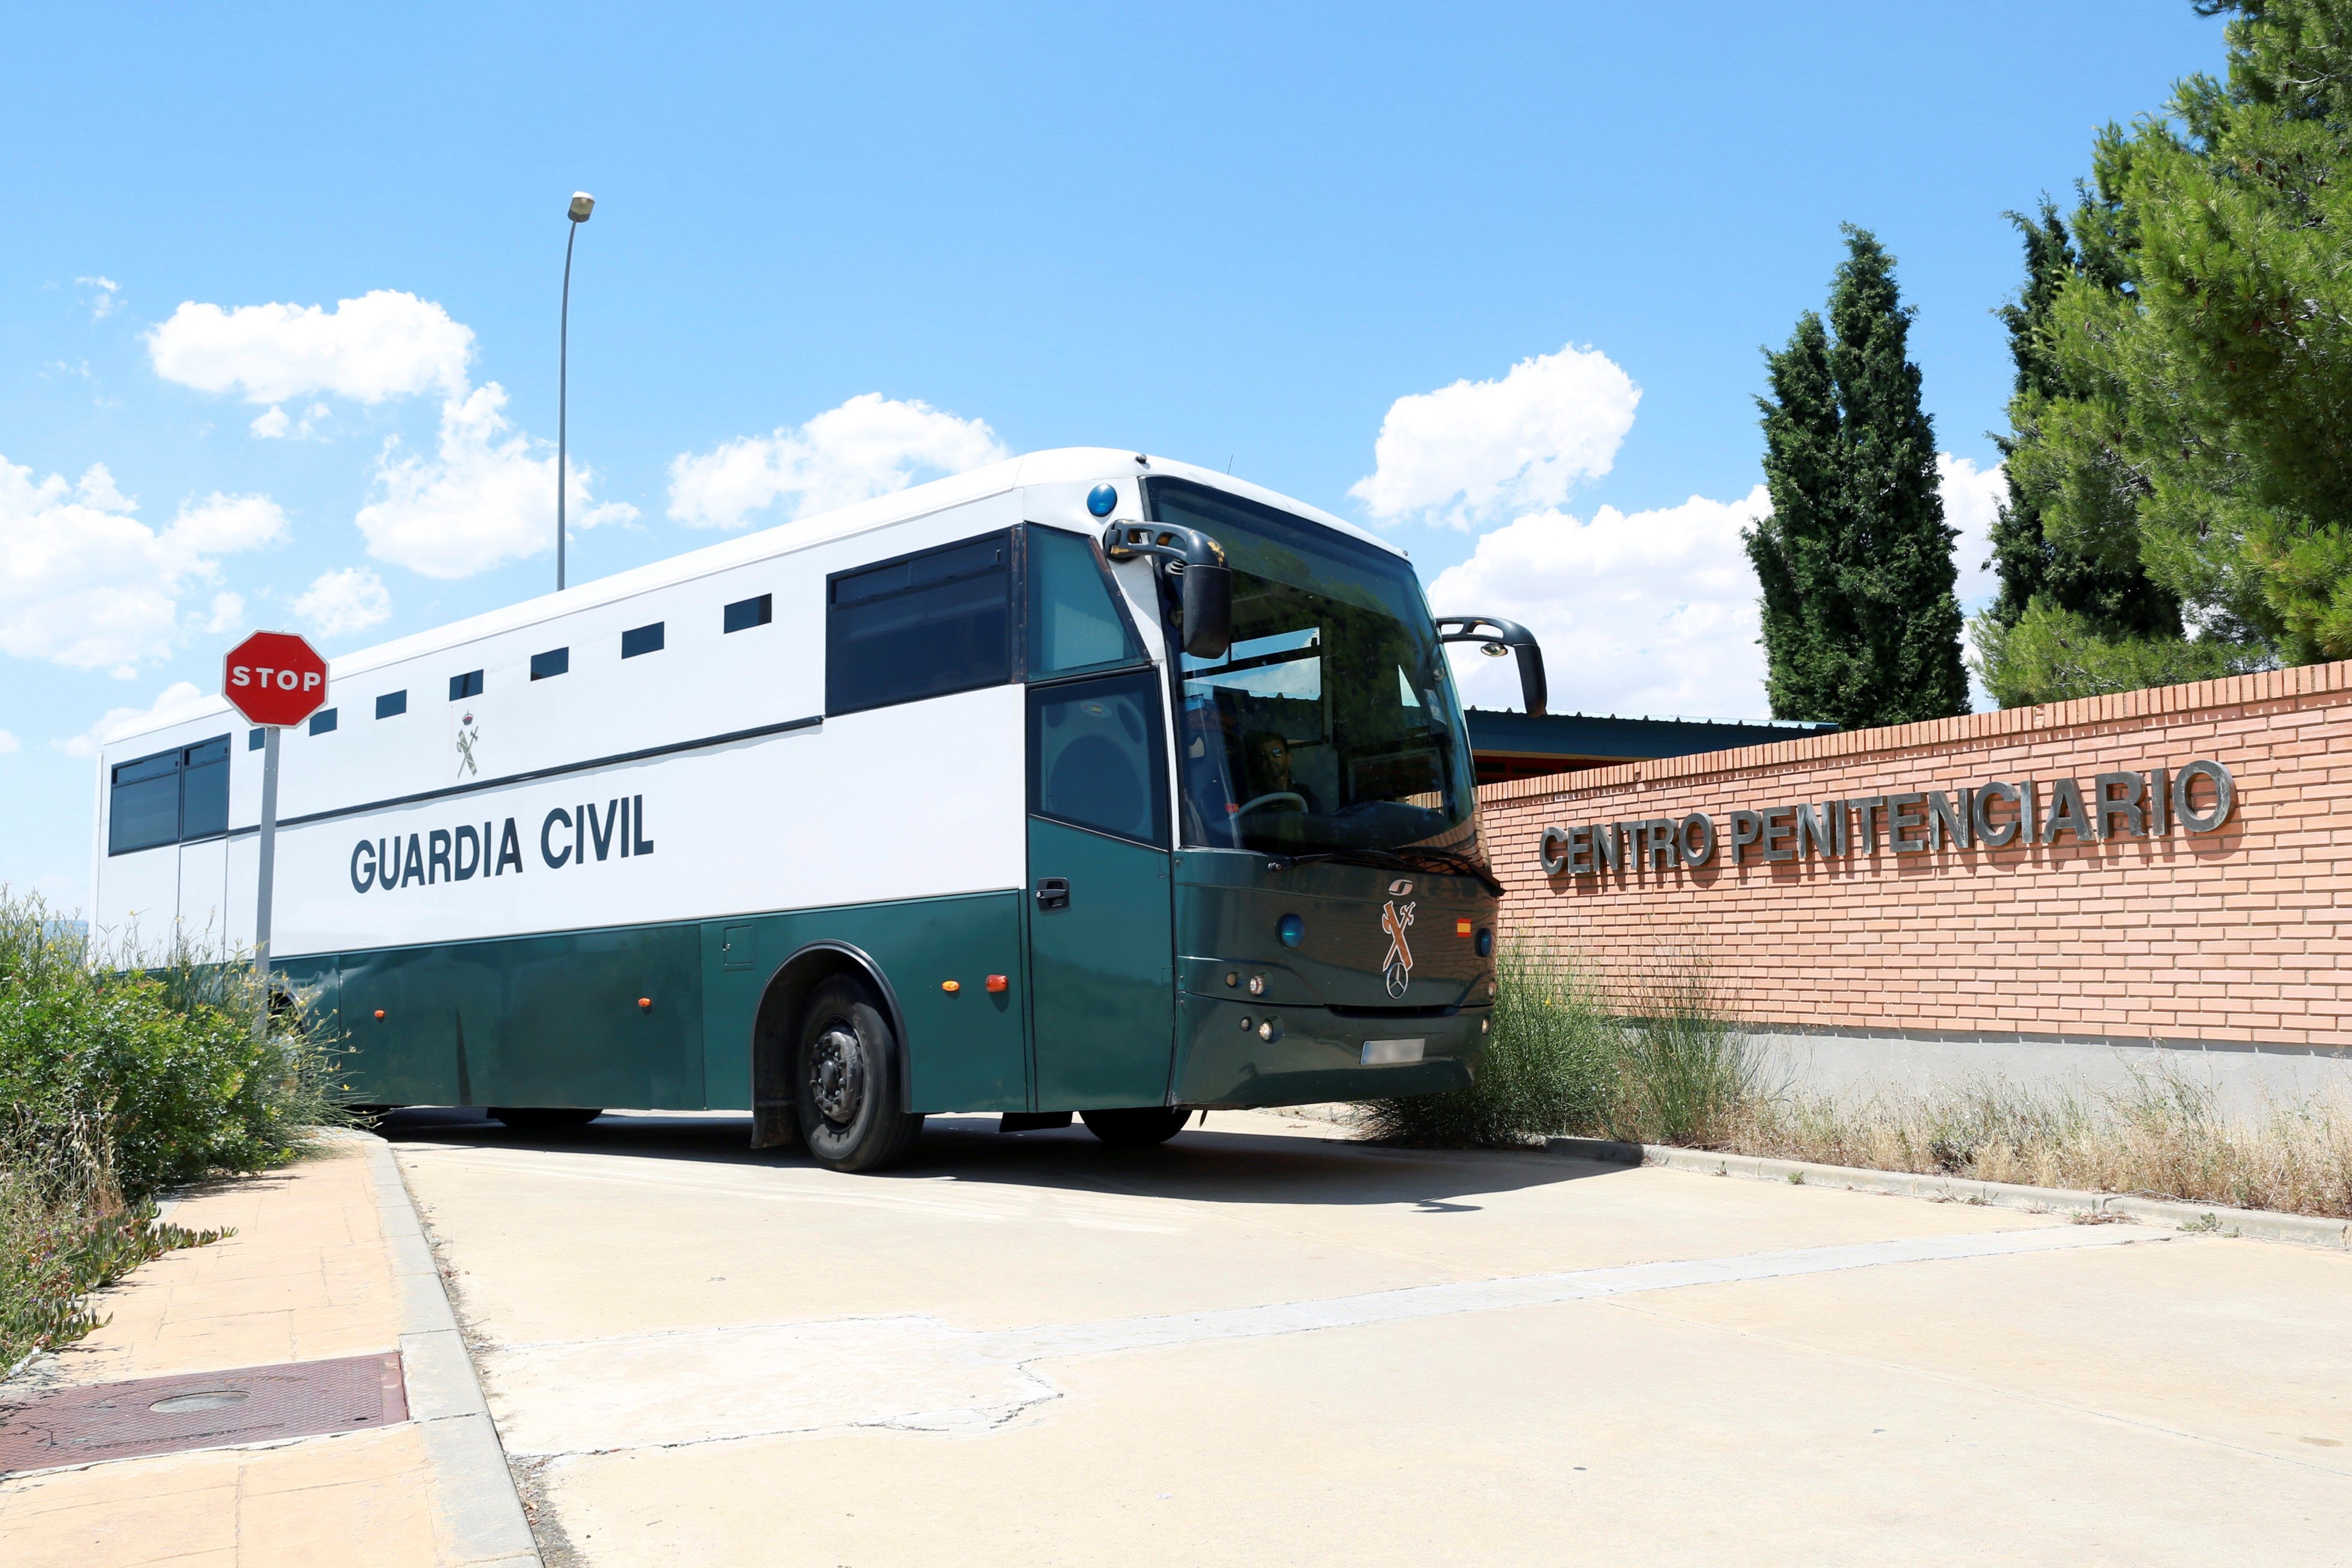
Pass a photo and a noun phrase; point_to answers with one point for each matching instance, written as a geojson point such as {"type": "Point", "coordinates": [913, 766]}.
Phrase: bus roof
{"type": "Point", "coordinates": [1064, 465]}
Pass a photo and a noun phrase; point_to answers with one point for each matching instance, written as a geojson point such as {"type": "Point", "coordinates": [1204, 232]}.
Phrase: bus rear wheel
{"type": "Point", "coordinates": [543, 1118]}
{"type": "Point", "coordinates": [846, 1082]}
{"type": "Point", "coordinates": [1135, 1128]}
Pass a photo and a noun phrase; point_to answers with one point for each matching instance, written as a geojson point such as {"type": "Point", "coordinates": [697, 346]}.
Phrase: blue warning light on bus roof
{"type": "Point", "coordinates": [1101, 499]}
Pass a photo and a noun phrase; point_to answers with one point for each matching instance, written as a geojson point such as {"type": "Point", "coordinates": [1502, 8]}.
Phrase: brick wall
{"type": "Point", "coordinates": [2234, 936]}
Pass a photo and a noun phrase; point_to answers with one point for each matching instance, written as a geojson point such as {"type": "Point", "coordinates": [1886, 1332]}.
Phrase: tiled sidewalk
{"type": "Point", "coordinates": [328, 1261]}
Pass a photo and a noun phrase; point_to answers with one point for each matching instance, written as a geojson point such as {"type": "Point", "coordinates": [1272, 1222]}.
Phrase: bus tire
{"type": "Point", "coordinates": [543, 1118]}
{"type": "Point", "coordinates": [1136, 1128]}
{"type": "Point", "coordinates": [846, 1082]}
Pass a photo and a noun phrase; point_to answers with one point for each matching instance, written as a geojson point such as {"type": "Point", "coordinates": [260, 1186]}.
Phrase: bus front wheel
{"type": "Point", "coordinates": [1136, 1128]}
{"type": "Point", "coordinates": [848, 1082]}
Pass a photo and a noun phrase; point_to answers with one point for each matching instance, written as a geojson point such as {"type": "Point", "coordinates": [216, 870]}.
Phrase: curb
{"type": "Point", "coordinates": [2255, 1224]}
{"type": "Point", "coordinates": [479, 1516]}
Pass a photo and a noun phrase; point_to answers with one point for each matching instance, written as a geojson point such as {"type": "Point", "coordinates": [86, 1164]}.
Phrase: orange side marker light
{"type": "Point", "coordinates": [645, 1004]}
{"type": "Point", "coordinates": [952, 986]}
{"type": "Point", "coordinates": [1461, 928]}
{"type": "Point", "coordinates": [379, 1012]}
{"type": "Point", "coordinates": [997, 983]}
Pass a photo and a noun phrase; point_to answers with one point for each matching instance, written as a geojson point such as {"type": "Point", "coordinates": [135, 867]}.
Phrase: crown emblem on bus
{"type": "Point", "coordinates": [1396, 965]}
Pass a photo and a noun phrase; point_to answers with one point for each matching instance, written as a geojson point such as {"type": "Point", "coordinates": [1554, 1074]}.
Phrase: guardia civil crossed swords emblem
{"type": "Point", "coordinates": [1396, 965]}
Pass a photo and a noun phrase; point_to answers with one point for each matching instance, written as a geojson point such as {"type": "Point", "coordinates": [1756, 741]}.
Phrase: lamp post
{"type": "Point", "coordinates": [582, 204]}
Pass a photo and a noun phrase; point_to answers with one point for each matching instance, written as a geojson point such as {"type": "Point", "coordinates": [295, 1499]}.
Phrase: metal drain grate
{"type": "Point", "coordinates": [202, 1410]}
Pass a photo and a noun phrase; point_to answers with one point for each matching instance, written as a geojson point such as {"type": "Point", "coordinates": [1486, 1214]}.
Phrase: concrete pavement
{"type": "Point", "coordinates": [1261, 1345]}
{"type": "Point", "coordinates": [327, 1263]}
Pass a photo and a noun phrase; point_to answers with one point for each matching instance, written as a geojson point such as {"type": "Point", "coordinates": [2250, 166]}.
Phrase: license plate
{"type": "Point", "coordinates": [1390, 1052]}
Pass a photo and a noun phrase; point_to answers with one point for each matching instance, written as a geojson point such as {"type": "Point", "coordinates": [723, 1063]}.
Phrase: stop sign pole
{"type": "Point", "coordinates": [274, 679]}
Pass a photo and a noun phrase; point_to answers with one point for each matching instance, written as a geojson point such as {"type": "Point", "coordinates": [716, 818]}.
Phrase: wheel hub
{"type": "Point", "coordinates": [837, 1074]}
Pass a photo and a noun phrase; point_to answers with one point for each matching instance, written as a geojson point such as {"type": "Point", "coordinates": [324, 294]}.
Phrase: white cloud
{"type": "Point", "coordinates": [86, 744]}
{"type": "Point", "coordinates": [386, 343]}
{"type": "Point", "coordinates": [870, 445]}
{"type": "Point", "coordinates": [272, 423]}
{"type": "Point", "coordinates": [1972, 501]}
{"type": "Point", "coordinates": [1653, 613]}
{"type": "Point", "coordinates": [352, 600]}
{"type": "Point", "coordinates": [8, 743]}
{"type": "Point", "coordinates": [1476, 449]}
{"type": "Point", "coordinates": [85, 584]}
{"type": "Point", "coordinates": [105, 296]}
{"type": "Point", "coordinates": [482, 499]}
{"type": "Point", "coordinates": [229, 615]}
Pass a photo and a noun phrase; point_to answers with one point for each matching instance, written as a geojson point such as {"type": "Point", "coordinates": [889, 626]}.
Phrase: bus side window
{"type": "Point", "coordinates": [1074, 622]}
{"type": "Point", "coordinates": [1097, 758]}
{"type": "Point", "coordinates": [170, 796]}
{"type": "Point", "coordinates": [144, 809]}
{"type": "Point", "coordinates": [204, 789]}
{"type": "Point", "coordinates": [921, 626]}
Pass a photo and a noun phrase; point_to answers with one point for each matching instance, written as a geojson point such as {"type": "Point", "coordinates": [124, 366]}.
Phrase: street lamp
{"type": "Point", "coordinates": [582, 204]}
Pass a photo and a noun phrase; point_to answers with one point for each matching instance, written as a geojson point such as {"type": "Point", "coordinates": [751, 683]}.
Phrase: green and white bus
{"type": "Point", "coordinates": [1085, 783]}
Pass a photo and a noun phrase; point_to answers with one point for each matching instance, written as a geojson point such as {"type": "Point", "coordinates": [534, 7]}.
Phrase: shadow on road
{"type": "Point", "coordinates": [1213, 1165]}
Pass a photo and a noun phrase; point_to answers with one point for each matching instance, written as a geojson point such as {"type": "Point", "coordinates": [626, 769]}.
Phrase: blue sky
{"type": "Point", "coordinates": [1225, 234]}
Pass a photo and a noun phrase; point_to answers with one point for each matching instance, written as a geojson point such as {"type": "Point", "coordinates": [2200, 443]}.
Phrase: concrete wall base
{"type": "Point", "coordinates": [1854, 1063]}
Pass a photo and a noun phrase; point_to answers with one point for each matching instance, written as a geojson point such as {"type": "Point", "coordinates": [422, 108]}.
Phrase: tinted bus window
{"type": "Point", "coordinates": [746, 613]}
{"type": "Point", "coordinates": [1096, 757]}
{"type": "Point", "coordinates": [642, 640]}
{"type": "Point", "coordinates": [1072, 620]}
{"type": "Point", "coordinates": [204, 789]}
{"type": "Point", "coordinates": [145, 808]}
{"type": "Point", "coordinates": [391, 704]}
{"type": "Point", "coordinates": [919, 627]}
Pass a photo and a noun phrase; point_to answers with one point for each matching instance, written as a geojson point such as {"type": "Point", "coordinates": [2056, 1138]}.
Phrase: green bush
{"type": "Point", "coordinates": [192, 1073]}
{"type": "Point", "coordinates": [121, 1075]}
{"type": "Point", "coordinates": [1550, 1067]}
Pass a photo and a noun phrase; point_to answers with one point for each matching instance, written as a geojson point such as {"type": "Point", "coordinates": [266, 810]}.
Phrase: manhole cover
{"type": "Point", "coordinates": [202, 1410]}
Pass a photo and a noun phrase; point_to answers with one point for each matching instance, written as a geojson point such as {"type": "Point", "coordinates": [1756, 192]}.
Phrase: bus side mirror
{"type": "Point", "coordinates": [1500, 637]}
{"type": "Point", "coordinates": [1208, 611]}
{"type": "Point", "coordinates": [1196, 563]}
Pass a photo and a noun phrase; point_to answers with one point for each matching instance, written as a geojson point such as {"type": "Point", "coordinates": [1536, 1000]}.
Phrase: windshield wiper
{"type": "Point", "coordinates": [1447, 864]}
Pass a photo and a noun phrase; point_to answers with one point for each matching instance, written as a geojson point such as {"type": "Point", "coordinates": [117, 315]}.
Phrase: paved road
{"type": "Point", "coordinates": [1258, 1345]}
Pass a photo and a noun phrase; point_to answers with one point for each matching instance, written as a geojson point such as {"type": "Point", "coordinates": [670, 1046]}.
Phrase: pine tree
{"type": "Point", "coordinates": [2076, 614]}
{"type": "Point", "coordinates": [1860, 622]}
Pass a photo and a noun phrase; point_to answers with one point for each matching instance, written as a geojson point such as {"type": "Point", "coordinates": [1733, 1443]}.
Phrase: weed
{"type": "Point", "coordinates": [1548, 1069]}
{"type": "Point", "coordinates": [122, 1073]}
{"type": "Point", "coordinates": [1655, 1060]}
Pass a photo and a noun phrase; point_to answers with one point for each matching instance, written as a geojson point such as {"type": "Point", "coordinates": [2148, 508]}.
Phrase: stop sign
{"type": "Point", "coordinates": [275, 678]}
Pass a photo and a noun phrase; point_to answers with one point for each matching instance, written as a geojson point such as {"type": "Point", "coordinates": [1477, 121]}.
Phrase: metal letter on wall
{"type": "Point", "coordinates": [1696, 839]}
{"type": "Point", "coordinates": [2225, 796]}
{"type": "Point", "coordinates": [1552, 864]}
{"type": "Point", "coordinates": [1989, 834]}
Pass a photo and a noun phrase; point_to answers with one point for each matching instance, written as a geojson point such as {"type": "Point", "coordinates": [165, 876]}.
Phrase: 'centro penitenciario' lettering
{"type": "Point", "coordinates": [1990, 816]}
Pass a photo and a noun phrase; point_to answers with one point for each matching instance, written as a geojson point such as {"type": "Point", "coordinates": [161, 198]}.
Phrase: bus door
{"type": "Point", "coordinates": [1101, 922]}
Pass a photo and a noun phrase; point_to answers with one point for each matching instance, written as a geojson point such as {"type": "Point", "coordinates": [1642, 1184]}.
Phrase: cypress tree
{"type": "Point", "coordinates": [1860, 622]}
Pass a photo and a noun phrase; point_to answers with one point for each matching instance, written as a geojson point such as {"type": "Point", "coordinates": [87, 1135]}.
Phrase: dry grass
{"type": "Point", "coordinates": [1653, 1060]}
{"type": "Point", "coordinates": [65, 1229]}
{"type": "Point", "coordinates": [2163, 1136]}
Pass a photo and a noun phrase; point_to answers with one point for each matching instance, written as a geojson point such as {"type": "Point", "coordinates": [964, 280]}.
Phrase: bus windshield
{"type": "Point", "coordinates": [1330, 726]}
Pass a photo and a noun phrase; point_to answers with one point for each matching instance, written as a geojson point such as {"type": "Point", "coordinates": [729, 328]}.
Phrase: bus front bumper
{"type": "Point", "coordinates": [1231, 1053]}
